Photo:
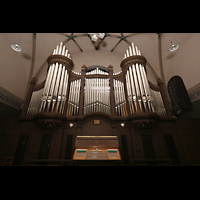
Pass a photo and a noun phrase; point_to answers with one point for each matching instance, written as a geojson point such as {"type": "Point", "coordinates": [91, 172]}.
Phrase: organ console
{"type": "Point", "coordinates": [96, 88]}
{"type": "Point", "coordinates": [96, 148]}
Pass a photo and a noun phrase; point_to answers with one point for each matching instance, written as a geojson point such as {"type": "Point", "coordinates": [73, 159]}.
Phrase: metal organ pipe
{"type": "Point", "coordinates": [136, 81]}
{"type": "Point", "coordinates": [119, 95]}
{"type": "Point", "coordinates": [97, 93]}
{"type": "Point", "coordinates": [54, 95]}
{"type": "Point", "coordinates": [63, 85]}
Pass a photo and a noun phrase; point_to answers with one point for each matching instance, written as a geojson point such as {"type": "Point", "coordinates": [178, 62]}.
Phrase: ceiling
{"type": "Point", "coordinates": [17, 68]}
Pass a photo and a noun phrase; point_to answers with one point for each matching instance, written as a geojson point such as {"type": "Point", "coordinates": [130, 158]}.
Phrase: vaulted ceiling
{"type": "Point", "coordinates": [17, 68]}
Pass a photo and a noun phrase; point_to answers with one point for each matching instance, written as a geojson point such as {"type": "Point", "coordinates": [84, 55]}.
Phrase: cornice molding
{"type": "Point", "coordinates": [10, 99]}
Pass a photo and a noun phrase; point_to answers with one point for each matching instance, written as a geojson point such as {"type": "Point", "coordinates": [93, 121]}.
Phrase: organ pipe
{"type": "Point", "coordinates": [133, 65]}
{"type": "Point", "coordinates": [64, 88]}
{"type": "Point", "coordinates": [54, 94]}
{"type": "Point", "coordinates": [97, 93]}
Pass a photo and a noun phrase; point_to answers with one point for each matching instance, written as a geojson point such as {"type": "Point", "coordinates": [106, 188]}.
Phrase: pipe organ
{"type": "Point", "coordinates": [55, 88]}
{"type": "Point", "coordinates": [96, 88]}
{"type": "Point", "coordinates": [139, 95]}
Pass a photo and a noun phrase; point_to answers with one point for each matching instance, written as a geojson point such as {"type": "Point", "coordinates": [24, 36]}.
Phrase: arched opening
{"type": "Point", "coordinates": [178, 94]}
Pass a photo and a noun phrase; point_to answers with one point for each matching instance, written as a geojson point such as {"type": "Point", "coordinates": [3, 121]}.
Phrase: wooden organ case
{"type": "Point", "coordinates": [67, 96]}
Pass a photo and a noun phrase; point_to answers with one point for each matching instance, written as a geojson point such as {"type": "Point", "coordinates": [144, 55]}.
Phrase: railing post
{"type": "Point", "coordinates": [112, 98]}
{"type": "Point", "coordinates": [164, 97]}
{"type": "Point", "coordinates": [81, 101]}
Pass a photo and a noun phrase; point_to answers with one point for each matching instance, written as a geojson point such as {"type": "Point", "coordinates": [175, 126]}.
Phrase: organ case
{"type": "Point", "coordinates": [96, 89]}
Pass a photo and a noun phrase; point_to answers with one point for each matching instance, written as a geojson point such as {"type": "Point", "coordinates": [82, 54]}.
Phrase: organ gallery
{"type": "Point", "coordinates": [96, 116]}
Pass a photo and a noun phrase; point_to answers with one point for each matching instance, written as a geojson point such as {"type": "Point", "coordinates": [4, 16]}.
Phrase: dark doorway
{"type": "Point", "coordinates": [125, 154]}
{"type": "Point", "coordinates": [148, 148]}
{"type": "Point", "coordinates": [68, 153]}
{"type": "Point", "coordinates": [44, 148]}
{"type": "Point", "coordinates": [171, 148]}
{"type": "Point", "coordinates": [20, 151]}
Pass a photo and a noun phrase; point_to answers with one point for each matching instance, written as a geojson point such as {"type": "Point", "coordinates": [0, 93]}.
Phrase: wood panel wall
{"type": "Point", "coordinates": [185, 133]}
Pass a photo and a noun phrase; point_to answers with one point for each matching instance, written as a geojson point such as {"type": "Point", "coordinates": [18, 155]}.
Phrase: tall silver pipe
{"type": "Point", "coordinates": [132, 76]}
{"type": "Point", "coordinates": [64, 91]}
{"type": "Point", "coordinates": [149, 96]}
{"type": "Point", "coordinates": [143, 97]}
{"type": "Point", "coordinates": [79, 88]}
{"type": "Point", "coordinates": [60, 88]}
{"type": "Point", "coordinates": [124, 99]}
{"type": "Point", "coordinates": [52, 87]}
{"type": "Point", "coordinates": [85, 101]}
{"type": "Point", "coordinates": [74, 98]}
{"type": "Point", "coordinates": [120, 98]}
{"type": "Point", "coordinates": [60, 49]}
{"type": "Point", "coordinates": [97, 91]}
{"type": "Point", "coordinates": [117, 98]}
{"type": "Point", "coordinates": [46, 86]}
{"type": "Point", "coordinates": [100, 93]}
{"type": "Point", "coordinates": [87, 95]}
{"type": "Point", "coordinates": [130, 95]}
{"type": "Point", "coordinates": [70, 99]}
{"type": "Point", "coordinates": [90, 96]}
{"type": "Point", "coordinates": [114, 84]}
{"type": "Point", "coordinates": [55, 92]}
{"type": "Point", "coordinates": [137, 87]}
{"type": "Point", "coordinates": [108, 96]}
{"type": "Point", "coordinates": [145, 86]}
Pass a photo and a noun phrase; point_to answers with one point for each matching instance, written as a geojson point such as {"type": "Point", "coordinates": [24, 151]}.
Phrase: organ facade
{"type": "Point", "coordinates": [97, 89]}
{"type": "Point", "coordinates": [96, 114]}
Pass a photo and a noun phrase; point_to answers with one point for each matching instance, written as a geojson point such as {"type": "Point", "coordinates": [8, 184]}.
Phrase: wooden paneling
{"type": "Point", "coordinates": [190, 150]}
{"type": "Point", "coordinates": [104, 128]}
{"type": "Point", "coordinates": [185, 133]}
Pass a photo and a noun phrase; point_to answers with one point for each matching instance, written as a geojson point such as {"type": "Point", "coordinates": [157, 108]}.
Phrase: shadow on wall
{"type": "Point", "coordinates": [194, 113]}
{"type": "Point", "coordinates": [7, 111]}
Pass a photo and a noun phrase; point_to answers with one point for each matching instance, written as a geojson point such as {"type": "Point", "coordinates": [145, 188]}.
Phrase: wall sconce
{"type": "Point", "coordinates": [71, 125]}
{"type": "Point", "coordinates": [122, 124]}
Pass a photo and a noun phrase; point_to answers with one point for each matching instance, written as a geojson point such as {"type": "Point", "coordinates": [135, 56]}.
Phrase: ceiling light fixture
{"type": "Point", "coordinates": [95, 36]}
{"type": "Point", "coordinates": [15, 46]}
{"type": "Point", "coordinates": [173, 47]}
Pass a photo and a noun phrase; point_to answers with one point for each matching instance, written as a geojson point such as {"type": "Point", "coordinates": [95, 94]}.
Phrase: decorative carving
{"type": "Point", "coordinates": [48, 120]}
{"type": "Point", "coordinates": [129, 61]}
{"type": "Point", "coordinates": [145, 120]}
{"type": "Point", "coordinates": [9, 100]}
{"type": "Point", "coordinates": [195, 95]}
{"type": "Point", "coordinates": [68, 63]}
{"type": "Point", "coordinates": [39, 86]}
